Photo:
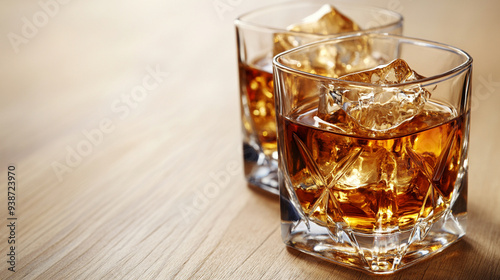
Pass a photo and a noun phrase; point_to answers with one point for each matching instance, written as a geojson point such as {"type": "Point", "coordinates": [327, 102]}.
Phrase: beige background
{"type": "Point", "coordinates": [147, 197]}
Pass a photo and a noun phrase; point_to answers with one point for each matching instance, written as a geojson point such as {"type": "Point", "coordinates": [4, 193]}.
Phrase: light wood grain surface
{"type": "Point", "coordinates": [122, 121]}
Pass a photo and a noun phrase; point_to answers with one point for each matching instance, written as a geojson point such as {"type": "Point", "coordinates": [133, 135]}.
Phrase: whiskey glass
{"type": "Point", "coordinates": [380, 199]}
{"type": "Point", "coordinates": [256, 34]}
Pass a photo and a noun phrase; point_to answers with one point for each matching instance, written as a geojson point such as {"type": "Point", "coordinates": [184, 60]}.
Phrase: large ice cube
{"type": "Point", "coordinates": [395, 72]}
{"type": "Point", "coordinates": [377, 108]}
{"type": "Point", "coordinates": [327, 20]}
{"type": "Point", "coordinates": [325, 61]}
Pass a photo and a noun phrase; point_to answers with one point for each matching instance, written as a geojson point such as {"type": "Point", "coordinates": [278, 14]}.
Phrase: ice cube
{"type": "Point", "coordinates": [396, 72]}
{"type": "Point", "coordinates": [327, 20]}
{"type": "Point", "coordinates": [382, 107]}
{"type": "Point", "coordinates": [326, 61]}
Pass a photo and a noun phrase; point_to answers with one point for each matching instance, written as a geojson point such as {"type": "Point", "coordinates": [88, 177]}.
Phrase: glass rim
{"type": "Point", "coordinates": [242, 22]}
{"type": "Point", "coordinates": [427, 81]}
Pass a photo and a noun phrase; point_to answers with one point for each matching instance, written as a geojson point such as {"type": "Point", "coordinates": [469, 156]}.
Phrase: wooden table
{"type": "Point", "coordinates": [121, 119]}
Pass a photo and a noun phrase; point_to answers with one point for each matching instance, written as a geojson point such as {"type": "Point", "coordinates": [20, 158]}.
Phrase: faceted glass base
{"type": "Point", "coordinates": [260, 170]}
{"type": "Point", "coordinates": [378, 253]}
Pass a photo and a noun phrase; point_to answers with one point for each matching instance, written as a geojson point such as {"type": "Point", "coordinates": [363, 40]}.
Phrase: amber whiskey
{"type": "Point", "coordinates": [373, 184]}
{"type": "Point", "coordinates": [260, 103]}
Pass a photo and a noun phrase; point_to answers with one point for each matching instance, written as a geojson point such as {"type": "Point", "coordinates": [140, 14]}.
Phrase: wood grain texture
{"type": "Point", "coordinates": [157, 189]}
